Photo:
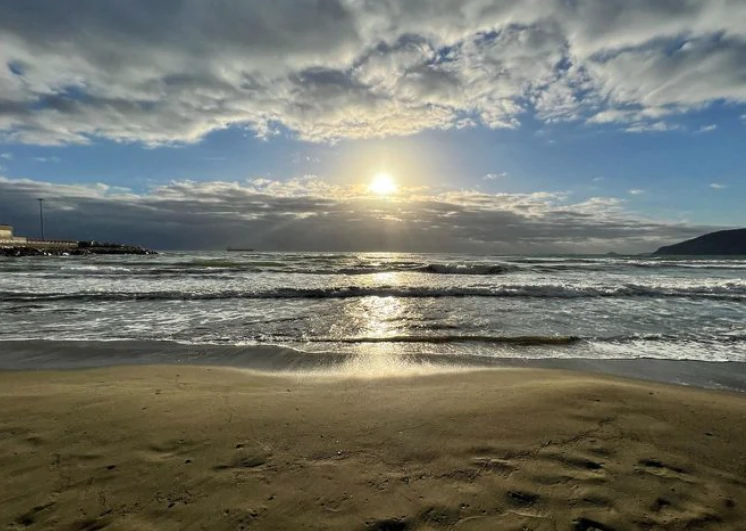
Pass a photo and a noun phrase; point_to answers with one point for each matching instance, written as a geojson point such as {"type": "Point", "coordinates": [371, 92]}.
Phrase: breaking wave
{"type": "Point", "coordinates": [729, 291]}
{"type": "Point", "coordinates": [523, 341]}
{"type": "Point", "coordinates": [330, 265]}
{"type": "Point", "coordinates": [218, 267]}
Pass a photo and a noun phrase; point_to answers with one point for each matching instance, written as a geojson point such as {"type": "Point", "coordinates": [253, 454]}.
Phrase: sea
{"type": "Point", "coordinates": [382, 309]}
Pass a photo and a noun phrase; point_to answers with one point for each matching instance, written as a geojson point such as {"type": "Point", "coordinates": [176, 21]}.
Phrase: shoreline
{"type": "Point", "coordinates": [184, 447]}
{"type": "Point", "coordinates": [35, 355]}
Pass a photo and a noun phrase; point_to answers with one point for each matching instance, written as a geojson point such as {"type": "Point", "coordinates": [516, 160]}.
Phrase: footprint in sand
{"type": "Point", "coordinates": [387, 524]}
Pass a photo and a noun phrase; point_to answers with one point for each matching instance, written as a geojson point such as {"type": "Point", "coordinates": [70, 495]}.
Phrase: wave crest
{"type": "Point", "coordinates": [730, 291]}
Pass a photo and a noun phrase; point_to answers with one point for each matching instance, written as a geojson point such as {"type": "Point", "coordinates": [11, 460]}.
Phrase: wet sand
{"type": "Point", "coordinates": [181, 447]}
{"type": "Point", "coordinates": [63, 355]}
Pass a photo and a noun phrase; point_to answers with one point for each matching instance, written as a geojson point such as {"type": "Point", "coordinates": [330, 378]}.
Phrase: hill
{"type": "Point", "coordinates": [724, 242]}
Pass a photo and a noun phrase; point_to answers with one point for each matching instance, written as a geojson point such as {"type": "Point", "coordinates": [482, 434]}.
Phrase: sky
{"type": "Point", "coordinates": [536, 126]}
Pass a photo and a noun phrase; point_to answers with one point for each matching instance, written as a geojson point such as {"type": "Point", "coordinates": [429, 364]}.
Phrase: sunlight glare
{"type": "Point", "coordinates": [383, 184]}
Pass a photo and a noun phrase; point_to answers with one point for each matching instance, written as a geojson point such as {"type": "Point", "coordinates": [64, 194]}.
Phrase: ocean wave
{"type": "Point", "coordinates": [346, 267]}
{"type": "Point", "coordinates": [438, 268]}
{"type": "Point", "coordinates": [456, 338]}
{"type": "Point", "coordinates": [729, 291]}
{"type": "Point", "coordinates": [619, 266]}
{"type": "Point", "coordinates": [468, 268]}
{"type": "Point", "coordinates": [218, 267]}
{"type": "Point", "coordinates": [730, 265]}
{"type": "Point", "coordinates": [519, 341]}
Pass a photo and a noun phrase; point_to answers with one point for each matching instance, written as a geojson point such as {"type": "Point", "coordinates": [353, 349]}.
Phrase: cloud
{"type": "Point", "coordinates": [655, 127]}
{"type": "Point", "coordinates": [6, 156]}
{"type": "Point", "coordinates": [310, 214]}
{"type": "Point", "coordinates": [705, 68]}
{"type": "Point", "coordinates": [707, 128]}
{"type": "Point", "coordinates": [495, 176]}
{"type": "Point", "coordinates": [718, 186]}
{"type": "Point", "coordinates": [47, 159]}
{"type": "Point", "coordinates": [174, 71]}
{"type": "Point", "coordinates": [636, 191]}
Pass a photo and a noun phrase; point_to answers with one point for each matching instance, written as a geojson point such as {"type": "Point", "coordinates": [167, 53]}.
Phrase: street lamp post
{"type": "Point", "coordinates": [41, 217]}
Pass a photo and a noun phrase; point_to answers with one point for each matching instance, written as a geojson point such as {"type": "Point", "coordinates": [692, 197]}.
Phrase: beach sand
{"type": "Point", "coordinates": [174, 447]}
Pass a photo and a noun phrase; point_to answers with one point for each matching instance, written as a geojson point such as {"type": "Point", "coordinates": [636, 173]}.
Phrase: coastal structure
{"type": "Point", "coordinates": [7, 237]}
{"type": "Point", "coordinates": [12, 245]}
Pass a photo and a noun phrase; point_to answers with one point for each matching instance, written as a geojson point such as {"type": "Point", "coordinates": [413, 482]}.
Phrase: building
{"type": "Point", "coordinates": [7, 238]}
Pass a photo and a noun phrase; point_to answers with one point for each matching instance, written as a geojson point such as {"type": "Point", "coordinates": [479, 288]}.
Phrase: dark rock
{"type": "Point", "coordinates": [82, 249]}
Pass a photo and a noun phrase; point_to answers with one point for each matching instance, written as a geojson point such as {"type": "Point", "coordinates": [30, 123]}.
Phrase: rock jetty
{"type": "Point", "coordinates": [81, 248]}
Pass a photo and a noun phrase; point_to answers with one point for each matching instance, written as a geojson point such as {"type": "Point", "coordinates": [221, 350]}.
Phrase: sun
{"type": "Point", "coordinates": [383, 184]}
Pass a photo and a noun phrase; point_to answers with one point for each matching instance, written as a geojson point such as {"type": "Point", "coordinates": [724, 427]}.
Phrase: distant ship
{"type": "Point", "coordinates": [239, 250]}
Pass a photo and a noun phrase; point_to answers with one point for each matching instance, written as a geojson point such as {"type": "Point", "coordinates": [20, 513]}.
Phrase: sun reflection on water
{"type": "Point", "coordinates": [378, 317]}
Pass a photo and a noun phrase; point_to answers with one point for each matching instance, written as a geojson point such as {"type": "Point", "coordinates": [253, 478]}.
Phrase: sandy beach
{"type": "Point", "coordinates": [174, 447]}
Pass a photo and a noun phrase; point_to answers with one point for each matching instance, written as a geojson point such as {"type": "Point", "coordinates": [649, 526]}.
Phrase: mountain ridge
{"type": "Point", "coordinates": [724, 243]}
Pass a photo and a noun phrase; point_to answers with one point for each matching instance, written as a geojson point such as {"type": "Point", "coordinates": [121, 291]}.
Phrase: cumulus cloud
{"type": "Point", "coordinates": [310, 214]}
{"type": "Point", "coordinates": [495, 176]}
{"type": "Point", "coordinates": [707, 128]}
{"type": "Point", "coordinates": [654, 127]}
{"type": "Point", "coordinates": [636, 191]}
{"type": "Point", "coordinates": [173, 71]}
{"type": "Point", "coordinates": [718, 186]}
